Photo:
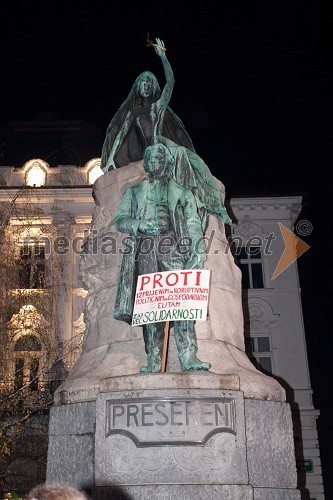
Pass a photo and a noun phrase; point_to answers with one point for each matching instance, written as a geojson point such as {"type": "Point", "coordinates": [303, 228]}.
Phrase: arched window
{"type": "Point", "coordinates": [94, 170]}
{"type": "Point", "coordinates": [259, 320]}
{"type": "Point", "coordinates": [28, 343]}
{"type": "Point", "coordinates": [35, 172]}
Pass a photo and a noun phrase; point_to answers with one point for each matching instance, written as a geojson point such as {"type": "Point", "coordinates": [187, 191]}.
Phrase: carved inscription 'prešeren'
{"type": "Point", "coordinates": [161, 422]}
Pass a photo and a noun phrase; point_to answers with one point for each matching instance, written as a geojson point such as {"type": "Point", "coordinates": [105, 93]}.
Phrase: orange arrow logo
{"type": "Point", "coordinates": [295, 247]}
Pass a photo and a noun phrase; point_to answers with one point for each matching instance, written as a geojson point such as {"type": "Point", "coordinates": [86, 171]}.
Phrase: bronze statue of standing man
{"type": "Point", "coordinates": [160, 214]}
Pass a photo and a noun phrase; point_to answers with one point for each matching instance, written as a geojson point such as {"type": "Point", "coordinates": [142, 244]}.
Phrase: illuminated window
{"type": "Point", "coordinates": [35, 172]}
{"type": "Point", "coordinates": [32, 265]}
{"type": "Point", "coordinates": [94, 170]}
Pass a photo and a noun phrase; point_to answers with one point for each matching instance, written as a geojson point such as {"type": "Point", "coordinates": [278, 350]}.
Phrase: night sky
{"type": "Point", "coordinates": [253, 89]}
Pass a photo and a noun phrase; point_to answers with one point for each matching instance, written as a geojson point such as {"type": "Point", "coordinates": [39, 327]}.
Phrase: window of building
{"type": "Point", "coordinates": [250, 263]}
{"type": "Point", "coordinates": [94, 170]}
{"type": "Point", "coordinates": [32, 265]}
{"type": "Point", "coordinates": [35, 172]}
{"type": "Point", "coordinates": [27, 351]}
{"type": "Point", "coordinates": [259, 352]}
{"type": "Point", "coordinates": [33, 373]}
{"type": "Point", "coordinates": [18, 375]}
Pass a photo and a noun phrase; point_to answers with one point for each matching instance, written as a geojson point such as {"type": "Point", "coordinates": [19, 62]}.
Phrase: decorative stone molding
{"type": "Point", "coordinates": [259, 315]}
{"type": "Point", "coordinates": [246, 229]}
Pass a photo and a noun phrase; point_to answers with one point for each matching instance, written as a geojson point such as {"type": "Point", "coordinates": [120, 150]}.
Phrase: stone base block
{"type": "Point", "coordinates": [70, 458]}
{"type": "Point", "coordinates": [189, 442]}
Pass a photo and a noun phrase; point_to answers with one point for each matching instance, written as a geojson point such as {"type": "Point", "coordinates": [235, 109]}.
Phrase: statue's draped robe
{"type": "Point", "coordinates": [189, 170]}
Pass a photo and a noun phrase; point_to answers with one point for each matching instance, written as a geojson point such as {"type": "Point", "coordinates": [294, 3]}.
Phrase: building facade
{"type": "Point", "coordinates": [46, 213]}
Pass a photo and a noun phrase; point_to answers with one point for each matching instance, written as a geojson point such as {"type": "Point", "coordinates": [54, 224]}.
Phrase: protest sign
{"type": "Point", "coordinates": [171, 296]}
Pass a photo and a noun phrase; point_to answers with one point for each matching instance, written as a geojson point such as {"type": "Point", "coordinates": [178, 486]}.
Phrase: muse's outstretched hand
{"type": "Point", "coordinates": [159, 47]}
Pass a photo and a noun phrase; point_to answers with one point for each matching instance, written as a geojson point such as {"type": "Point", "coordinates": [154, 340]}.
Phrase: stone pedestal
{"type": "Point", "coordinates": [161, 435]}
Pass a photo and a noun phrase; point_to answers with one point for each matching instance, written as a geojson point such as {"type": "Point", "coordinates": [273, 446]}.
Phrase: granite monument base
{"type": "Point", "coordinates": [197, 437]}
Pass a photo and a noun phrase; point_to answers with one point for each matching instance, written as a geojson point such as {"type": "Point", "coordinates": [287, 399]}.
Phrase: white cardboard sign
{"type": "Point", "coordinates": [179, 295]}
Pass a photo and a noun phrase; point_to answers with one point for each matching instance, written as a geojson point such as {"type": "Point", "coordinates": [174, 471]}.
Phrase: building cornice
{"type": "Point", "coordinates": [266, 203]}
{"type": "Point", "coordinates": [47, 193]}
{"type": "Point", "coordinates": [281, 208]}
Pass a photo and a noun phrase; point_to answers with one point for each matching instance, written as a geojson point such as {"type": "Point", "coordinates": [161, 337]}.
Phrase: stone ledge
{"type": "Point", "coordinates": [188, 380]}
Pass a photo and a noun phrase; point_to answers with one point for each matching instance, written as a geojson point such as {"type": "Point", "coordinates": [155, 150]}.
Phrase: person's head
{"type": "Point", "coordinates": [56, 492]}
{"type": "Point", "coordinates": [157, 160]}
{"type": "Point", "coordinates": [147, 86]}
